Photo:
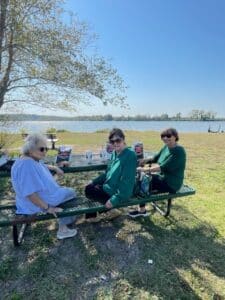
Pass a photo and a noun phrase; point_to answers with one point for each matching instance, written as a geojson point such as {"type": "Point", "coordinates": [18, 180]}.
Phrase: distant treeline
{"type": "Point", "coordinates": [195, 115]}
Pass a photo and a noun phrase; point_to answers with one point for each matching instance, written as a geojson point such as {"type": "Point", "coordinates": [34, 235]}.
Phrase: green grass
{"type": "Point", "coordinates": [187, 248]}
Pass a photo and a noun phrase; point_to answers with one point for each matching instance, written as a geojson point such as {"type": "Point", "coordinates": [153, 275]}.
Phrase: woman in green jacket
{"type": "Point", "coordinates": [168, 168]}
{"type": "Point", "coordinates": [117, 183]}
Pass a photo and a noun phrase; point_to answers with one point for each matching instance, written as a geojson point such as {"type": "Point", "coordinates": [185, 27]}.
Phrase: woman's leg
{"type": "Point", "coordinates": [64, 231]}
{"type": "Point", "coordinates": [69, 194]}
{"type": "Point", "coordinates": [157, 183]}
{"type": "Point", "coordinates": [95, 193]}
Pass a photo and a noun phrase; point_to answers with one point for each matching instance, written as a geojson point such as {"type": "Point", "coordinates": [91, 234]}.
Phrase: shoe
{"type": "Point", "coordinates": [137, 213]}
{"type": "Point", "coordinates": [66, 234]}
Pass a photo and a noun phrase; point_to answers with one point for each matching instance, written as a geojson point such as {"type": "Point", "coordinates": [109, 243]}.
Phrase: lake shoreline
{"type": "Point", "coordinates": [95, 126]}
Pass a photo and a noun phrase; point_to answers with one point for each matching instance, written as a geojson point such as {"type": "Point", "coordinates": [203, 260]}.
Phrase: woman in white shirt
{"type": "Point", "coordinates": [36, 189]}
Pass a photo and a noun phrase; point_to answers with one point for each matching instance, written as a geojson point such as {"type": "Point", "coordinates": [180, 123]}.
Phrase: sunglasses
{"type": "Point", "coordinates": [166, 135]}
{"type": "Point", "coordinates": [118, 140]}
{"type": "Point", "coordinates": [42, 149]}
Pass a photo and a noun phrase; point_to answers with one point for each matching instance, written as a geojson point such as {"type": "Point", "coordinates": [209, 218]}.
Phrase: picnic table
{"type": "Point", "coordinates": [79, 164]}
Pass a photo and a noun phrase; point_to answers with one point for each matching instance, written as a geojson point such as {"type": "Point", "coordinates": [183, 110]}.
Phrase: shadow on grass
{"type": "Point", "coordinates": [184, 255]}
{"type": "Point", "coordinates": [110, 259]}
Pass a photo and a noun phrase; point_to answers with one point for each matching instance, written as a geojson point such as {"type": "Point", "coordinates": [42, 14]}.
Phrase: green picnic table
{"type": "Point", "coordinates": [19, 223]}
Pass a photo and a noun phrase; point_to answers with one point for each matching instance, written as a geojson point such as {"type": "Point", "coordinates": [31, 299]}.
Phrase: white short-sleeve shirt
{"type": "Point", "coordinates": [30, 176]}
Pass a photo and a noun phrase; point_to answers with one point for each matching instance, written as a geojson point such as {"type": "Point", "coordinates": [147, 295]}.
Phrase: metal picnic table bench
{"type": "Point", "coordinates": [83, 205]}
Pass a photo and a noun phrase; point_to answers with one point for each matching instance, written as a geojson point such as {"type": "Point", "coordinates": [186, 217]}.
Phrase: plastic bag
{"type": "Point", "coordinates": [142, 185]}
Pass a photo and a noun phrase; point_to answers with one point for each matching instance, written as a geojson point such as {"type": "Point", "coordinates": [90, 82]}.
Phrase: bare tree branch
{"type": "Point", "coordinates": [43, 56]}
{"type": "Point", "coordinates": [3, 7]}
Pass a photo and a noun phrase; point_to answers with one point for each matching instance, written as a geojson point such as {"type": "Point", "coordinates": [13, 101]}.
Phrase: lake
{"type": "Point", "coordinates": [92, 126]}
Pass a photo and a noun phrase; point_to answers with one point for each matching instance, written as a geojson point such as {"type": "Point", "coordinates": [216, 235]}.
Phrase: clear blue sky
{"type": "Point", "coordinates": [171, 53]}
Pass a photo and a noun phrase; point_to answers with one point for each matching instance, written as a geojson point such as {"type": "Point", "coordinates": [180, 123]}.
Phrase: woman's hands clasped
{"type": "Point", "coordinates": [58, 171]}
{"type": "Point", "coordinates": [54, 210]}
{"type": "Point", "coordinates": [108, 204]}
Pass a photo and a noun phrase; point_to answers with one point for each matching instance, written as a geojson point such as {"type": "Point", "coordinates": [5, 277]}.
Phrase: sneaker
{"type": "Point", "coordinates": [137, 213]}
{"type": "Point", "coordinates": [66, 234]}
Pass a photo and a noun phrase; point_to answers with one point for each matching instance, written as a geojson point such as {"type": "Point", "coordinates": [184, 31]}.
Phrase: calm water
{"type": "Point", "coordinates": [92, 126]}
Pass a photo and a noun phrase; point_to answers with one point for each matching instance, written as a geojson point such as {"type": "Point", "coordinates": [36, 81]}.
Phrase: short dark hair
{"type": "Point", "coordinates": [171, 131]}
{"type": "Point", "coordinates": [116, 132]}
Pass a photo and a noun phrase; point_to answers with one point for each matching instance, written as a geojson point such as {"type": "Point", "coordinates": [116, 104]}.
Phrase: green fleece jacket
{"type": "Point", "coordinates": [172, 164]}
{"type": "Point", "coordinates": [119, 178]}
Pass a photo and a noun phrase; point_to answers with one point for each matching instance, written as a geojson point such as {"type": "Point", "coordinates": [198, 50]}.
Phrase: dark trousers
{"type": "Point", "coordinates": [160, 185]}
{"type": "Point", "coordinates": [7, 166]}
{"type": "Point", "coordinates": [95, 193]}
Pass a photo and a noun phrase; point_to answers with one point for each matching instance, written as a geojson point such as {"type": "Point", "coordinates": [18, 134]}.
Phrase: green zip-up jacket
{"type": "Point", "coordinates": [172, 163]}
{"type": "Point", "coordinates": [119, 178]}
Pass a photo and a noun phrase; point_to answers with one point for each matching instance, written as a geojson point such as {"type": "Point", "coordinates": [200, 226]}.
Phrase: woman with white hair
{"type": "Point", "coordinates": [36, 189]}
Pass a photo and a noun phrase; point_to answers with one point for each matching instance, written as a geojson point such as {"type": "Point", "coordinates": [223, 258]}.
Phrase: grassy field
{"type": "Point", "coordinates": [109, 258]}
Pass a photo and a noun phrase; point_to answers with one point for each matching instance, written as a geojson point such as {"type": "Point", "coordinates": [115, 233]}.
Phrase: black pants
{"type": "Point", "coordinates": [160, 185]}
{"type": "Point", "coordinates": [95, 192]}
{"type": "Point", "coordinates": [7, 166]}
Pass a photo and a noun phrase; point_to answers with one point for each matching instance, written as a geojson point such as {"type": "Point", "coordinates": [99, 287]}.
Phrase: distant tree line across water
{"type": "Point", "coordinates": [194, 115]}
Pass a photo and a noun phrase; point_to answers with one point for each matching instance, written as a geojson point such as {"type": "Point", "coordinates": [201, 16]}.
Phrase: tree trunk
{"type": "Point", "coordinates": [3, 6]}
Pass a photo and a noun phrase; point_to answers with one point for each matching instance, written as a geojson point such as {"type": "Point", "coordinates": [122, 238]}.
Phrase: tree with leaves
{"type": "Point", "coordinates": [200, 114]}
{"type": "Point", "coordinates": [45, 59]}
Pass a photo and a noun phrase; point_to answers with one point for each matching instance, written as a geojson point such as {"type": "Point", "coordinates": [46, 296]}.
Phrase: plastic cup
{"type": "Point", "coordinates": [89, 157]}
{"type": "Point", "coordinates": [103, 155]}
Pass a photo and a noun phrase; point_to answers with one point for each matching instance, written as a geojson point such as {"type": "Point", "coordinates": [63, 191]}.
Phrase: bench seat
{"type": "Point", "coordinates": [83, 206]}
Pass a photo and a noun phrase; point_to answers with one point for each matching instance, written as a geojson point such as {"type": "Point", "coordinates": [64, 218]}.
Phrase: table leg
{"type": "Point", "coordinates": [17, 239]}
{"type": "Point", "coordinates": [166, 212]}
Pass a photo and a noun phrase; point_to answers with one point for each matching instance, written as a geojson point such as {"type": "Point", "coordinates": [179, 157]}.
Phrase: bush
{"type": "Point", "coordinates": [5, 139]}
{"type": "Point", "coordinates": [102, 130]}
{"type": "Point", "coordinates": [62, 130]}
{"type": "Point", "coordinates": [51, 130]}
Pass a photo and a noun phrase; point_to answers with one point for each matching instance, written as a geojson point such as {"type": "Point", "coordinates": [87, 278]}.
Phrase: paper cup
{"type": "Point", "coordinates": [89, 157]}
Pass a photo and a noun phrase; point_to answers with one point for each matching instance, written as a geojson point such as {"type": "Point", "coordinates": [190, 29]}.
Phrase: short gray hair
{"type": "Point", "coordinates": [32, 141]}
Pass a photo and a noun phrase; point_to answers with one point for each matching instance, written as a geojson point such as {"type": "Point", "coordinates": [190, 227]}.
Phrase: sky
{"type": "Point", "coordinates": [171, 53]}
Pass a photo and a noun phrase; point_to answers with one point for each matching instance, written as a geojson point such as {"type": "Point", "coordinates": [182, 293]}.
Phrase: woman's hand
{"type": "Point", "coordinates": [143, 169]}
{"type": "Point", "coordinates": [54, 210]}
{"type": "Point", "coordinates": [155, 168]}
{"type": "Point", "coordinates": [108, 204]}
{"type": "Point", "coordinates": [58, 171]}
{"type": "Point", "coordinates": [141, 162]}
{"type": "Point", "coordinates": [140, 169]}
{"type": "Point", "coordinates": [36, 200]}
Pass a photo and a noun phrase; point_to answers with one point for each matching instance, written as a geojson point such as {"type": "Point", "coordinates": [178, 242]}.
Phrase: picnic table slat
{"type": "Point", "coordinates": [87, 206]}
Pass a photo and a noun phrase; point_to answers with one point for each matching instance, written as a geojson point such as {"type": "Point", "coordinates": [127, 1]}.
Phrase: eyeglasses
{"type": "Point", "coordinates": [166, 135]}
{"type": "Point", "coordinates": [118, 140]}
{"type": "Point", "coordinates": [42, 149]}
